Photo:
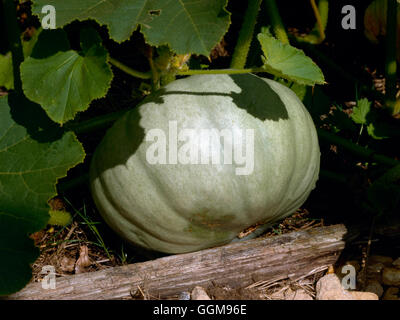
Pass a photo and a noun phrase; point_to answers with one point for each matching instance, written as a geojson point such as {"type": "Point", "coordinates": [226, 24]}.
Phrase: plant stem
{"type": "Point", "coordinates": [148, 75]}
{"type": "Point", "coordinates": [128, 70]}
{"type": "Point", "coordinates": [245, 35]}
{"type": "Point", "coordinates": [317, 35]}
{"type": "Point", "coordinates": [323, 10]}
{"type": "Point", "coordinates": [356, 149]}
{"type": "Point", "coordinates": [321, 25]}
{"type": "Point", "coordinates": [391, 64]}
{"type": "Point", "coordinates": [95, 123]}
{"type": "Point", "coordinates": [155, 76]}
{"type": "Point", "coordinates": [13, 35]}
{"type": "Point", "coordinates": [221, 71]}
{"type": "Point", "coordinates": [276, 21]}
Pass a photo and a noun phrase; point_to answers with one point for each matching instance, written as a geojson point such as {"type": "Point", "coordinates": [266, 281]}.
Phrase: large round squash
{"type": "Point", "coordinates": [162, 199]}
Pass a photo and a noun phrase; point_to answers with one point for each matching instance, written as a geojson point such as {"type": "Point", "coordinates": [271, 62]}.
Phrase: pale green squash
{"type": "Point", "coordinates": [179, 207]}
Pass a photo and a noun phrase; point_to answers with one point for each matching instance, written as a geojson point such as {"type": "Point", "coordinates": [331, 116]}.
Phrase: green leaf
{"type": "Point", "coordinates": [378, 131]}
{"type": "Point", "coordinates": [360, 112]}
{"type": "Point", "coordinates": [49, 43]}
{"type": "Point", "coordinates": [6, 67]}
{"type": "Point", "coordinates": [6, 71]}
{"type": "Point", "coordinates": [187, 26]}
{"type": "Point", "coordinates": [66, 82]}
{"type": "Point", "coordinates": [283, 60]}
{"type": "Point", "coordinates": [33, 155]}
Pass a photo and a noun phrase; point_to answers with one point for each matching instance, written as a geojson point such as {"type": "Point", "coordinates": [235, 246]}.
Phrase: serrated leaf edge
{"type": "Point", "coordinates": [85, 106]}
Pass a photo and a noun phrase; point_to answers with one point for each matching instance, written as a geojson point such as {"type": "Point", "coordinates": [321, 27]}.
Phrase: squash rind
{"type": "Point", "coordinates": [178, 208]}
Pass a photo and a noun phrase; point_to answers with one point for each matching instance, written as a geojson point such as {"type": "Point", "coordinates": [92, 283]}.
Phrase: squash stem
{"type": "Point", "coordinates": [128, 70]}
{"type": "Point", "coordinates": [96, 123]}
{"type": "Point", "coordinates": [13, 35]}
{"type": "Point", "coordinates": [221, 71]}
{"type": "Point", "coordinates": [245, 35]}
{"type": "Point", "coordinates": [391, 48]}
{"type": "Point", "coordinates": [148, 75]}
{"type": "Point", "coordinates": [276, 21]}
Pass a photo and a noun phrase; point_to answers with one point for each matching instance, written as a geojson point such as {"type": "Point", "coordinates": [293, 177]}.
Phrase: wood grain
{"type": "Point", "coordinates": [237, 265]}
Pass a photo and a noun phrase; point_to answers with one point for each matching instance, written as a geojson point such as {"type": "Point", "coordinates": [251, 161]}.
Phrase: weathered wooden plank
{"type": "Point", "coordinates": [237, 264]}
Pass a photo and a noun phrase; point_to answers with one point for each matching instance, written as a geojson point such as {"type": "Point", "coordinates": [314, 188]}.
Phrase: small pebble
{"type": "Point", "coordinates": [184, 295]}
{"type": "Point", "coordinates": [391, 276]}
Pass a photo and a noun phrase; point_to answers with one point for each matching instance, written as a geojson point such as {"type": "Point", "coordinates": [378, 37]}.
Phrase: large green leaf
{"type": "Point", "coordinates": [66, 82]}
{"type": "Point", "coordinates": [187, 26]}
{"type": "Point", "coordinates": [33, 155]}
{"type": "Point", "coordinates": [283, 60]}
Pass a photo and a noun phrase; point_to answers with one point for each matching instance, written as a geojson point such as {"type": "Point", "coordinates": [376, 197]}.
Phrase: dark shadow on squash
{"type": "Point", "coordinates": [123, 151]}
{"type": "Point", "coordinates": [256, 93]}
{"type": "Point", "coordinates": [252, 95]}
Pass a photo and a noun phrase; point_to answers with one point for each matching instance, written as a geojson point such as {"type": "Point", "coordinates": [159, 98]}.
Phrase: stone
{"type": "Point", "coordinates": [375, 267]}
{"type": "Point", "coordinates": [391, 276]}
{"type": "Point", "coordinates": [386, 261]}
{"type": "Point", "coordinates": [198, 293]}
{"type": "Point", "coordinates": [375, 287]}
{"type": "Point", "coordinates": [374, 271]}
{"type": "Point", "coordinates": [184, 295]}
{"type": "Point", "coordinates": [329, 287]}
{"type": "Point", "coordinates": [396, 263]}
{"type": "Point", "coordinates": [391, 294]}
{"type": "Point", "coordinates": [361, 295]}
